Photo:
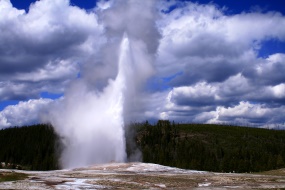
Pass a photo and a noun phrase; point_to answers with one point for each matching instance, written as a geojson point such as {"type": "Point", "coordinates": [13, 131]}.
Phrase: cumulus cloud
{"type": "Point", "coordinates": [208, 45]}
{"type": "Point", "coordinates": [24, 113]}
{"type": "Point", "coordinates": [249, 113]}
{"type": "Point", "coordinates": [208, 63]}
{"type": "Point", "coordinates": [220, 69]}
{"type": "Point", "coordinates": [47, 43]}
{"type": "Point", "coordinates": [268, 71]}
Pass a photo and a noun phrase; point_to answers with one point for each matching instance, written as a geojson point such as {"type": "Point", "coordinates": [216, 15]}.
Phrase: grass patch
{"type": "Point", "coordinates": [12, 176]}
{"type": "Point", "coordinates": [280, 172]}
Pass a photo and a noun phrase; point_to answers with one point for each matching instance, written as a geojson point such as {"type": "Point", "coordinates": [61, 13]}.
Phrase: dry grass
{"type": "Point", "coordinates": [12, 176]}
{"type": "Point", "coordinates": [280, 172]}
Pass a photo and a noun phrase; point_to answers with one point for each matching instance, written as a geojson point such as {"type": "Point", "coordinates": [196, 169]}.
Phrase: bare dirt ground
{"type": "Point", "coordinates": [141, 176]}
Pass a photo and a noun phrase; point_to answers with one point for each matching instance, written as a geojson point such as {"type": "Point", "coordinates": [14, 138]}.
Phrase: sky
{"type": "Point", "coordinates": [216, 61]}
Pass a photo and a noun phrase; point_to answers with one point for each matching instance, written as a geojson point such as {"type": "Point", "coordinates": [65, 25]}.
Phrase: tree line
{"type": "Point", "coordinates": [211, 147]}
{"type": "Point", "coordinates": [190, 146]}
{"type": "Point", "coordinates": [30, 147]}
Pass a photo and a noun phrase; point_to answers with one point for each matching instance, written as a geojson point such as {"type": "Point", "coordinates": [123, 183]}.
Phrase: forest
{"type": "Point", "coordinates": [34, 147]}
{"type": "Point", "coordinates": [205, 147]}
{"type": "Point", "coordinates": [211, 147]}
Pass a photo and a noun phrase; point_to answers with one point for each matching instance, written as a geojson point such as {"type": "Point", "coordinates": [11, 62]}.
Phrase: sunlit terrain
{"type": "Point", "coordinates": [141, 176]}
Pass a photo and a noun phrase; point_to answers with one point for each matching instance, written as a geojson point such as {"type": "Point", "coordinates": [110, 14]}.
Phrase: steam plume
{"type": "Point", "coordinates": [93, 113]}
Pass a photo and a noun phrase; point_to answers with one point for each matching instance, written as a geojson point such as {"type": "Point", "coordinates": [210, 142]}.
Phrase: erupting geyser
{"type": "Point", "coordinates": [94, 121]}
{"type": "Point", "coordinates": [91, 119]}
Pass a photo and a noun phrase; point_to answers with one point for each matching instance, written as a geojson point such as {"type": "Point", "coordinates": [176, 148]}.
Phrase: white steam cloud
{"type": "Point", "coordinates": [96, 107]}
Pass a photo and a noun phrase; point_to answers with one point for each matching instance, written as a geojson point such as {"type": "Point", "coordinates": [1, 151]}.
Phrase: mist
{"type": "Point", "coordinates": [92, 115]}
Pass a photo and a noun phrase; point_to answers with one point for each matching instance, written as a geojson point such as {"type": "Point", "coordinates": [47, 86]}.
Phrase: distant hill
{"type": "Point", "coordinates": [211, 147]}
{"type": "Point", "coordinates": [190, 146]}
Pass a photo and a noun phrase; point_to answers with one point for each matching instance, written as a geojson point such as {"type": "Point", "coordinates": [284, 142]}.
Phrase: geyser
{"type": "Point", "coordinates": [91, 119]}
{"type": "Point", "coordinates": [92, 122]}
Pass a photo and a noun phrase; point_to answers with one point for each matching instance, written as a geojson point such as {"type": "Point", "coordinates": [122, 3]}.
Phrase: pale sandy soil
{"type": "Point", "coordinates": [143, 176]}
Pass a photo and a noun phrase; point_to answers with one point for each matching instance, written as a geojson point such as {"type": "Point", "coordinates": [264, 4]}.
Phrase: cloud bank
{"type": "Point", "coordinates": [214, 68]}
{"type": "Point", "coordinates": [210, 67]}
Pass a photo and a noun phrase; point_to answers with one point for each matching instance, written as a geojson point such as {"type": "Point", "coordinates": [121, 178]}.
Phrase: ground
{"type": "Point", "coordinates": [138, 176]}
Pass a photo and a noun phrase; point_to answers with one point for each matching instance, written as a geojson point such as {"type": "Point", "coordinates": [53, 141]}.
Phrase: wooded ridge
{"type": "Point", "coordinates": [211, 147]}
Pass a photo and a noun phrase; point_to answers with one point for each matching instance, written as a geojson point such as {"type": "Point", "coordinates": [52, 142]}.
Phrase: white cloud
{"type": "Point", "coordinates": [214, 57]}
{"type": "Point", "coordinates": [217, 56]}
{"type": "Point", "coordinates": [268, 71]}
{"type": "Point", "coordinates": [249, 113]}
{"type": "Point", "coordinates": [57, 70]}
{"type": "Point", "coordinates": [255, 26]}
{"type": "Point", "coordinates": [197, 95]}
{"type": "Point", "coordinates": [47, 43]}
{"type": "Point", "coordinates": [244, 113]}
{"type": "Point", "coordinates": [279, 90]}
{"type": "Point", "coordinates": [201, 37]}
{"type": "Point", "coordinates": [24, 113]}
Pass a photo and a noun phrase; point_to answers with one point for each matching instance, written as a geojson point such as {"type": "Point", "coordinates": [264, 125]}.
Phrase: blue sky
{"type": "Point", "coordinates": [216, 61]}
{"type": "Point", "coordinates": [87, 4]}
{"type": "Point", "coordinates": [233, 6]}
